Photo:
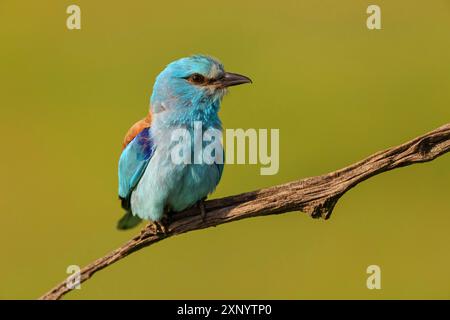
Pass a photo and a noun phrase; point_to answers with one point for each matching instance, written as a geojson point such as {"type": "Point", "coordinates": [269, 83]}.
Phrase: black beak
{"type": "Point", "coordinates": [233, 79]}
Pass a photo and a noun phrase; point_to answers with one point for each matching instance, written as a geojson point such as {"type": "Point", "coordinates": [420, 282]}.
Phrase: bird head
{"type": "Point", "coordinates": [193, 83]}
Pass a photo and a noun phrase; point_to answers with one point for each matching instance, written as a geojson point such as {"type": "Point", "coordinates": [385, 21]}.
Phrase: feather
{"type": "Point", "coordinates": [133, 161]}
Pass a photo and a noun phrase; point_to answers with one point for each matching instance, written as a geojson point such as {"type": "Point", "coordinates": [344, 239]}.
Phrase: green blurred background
{"type": "Point", "coordinates": [336, 90]}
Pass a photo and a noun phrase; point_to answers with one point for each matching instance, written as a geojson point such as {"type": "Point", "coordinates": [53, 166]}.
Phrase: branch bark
{"type": "Point", "coordinates": [315, 196]}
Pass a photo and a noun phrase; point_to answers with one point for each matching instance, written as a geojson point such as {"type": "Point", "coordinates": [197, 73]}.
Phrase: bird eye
{"type": "Point", "coordinates": [196, 78]}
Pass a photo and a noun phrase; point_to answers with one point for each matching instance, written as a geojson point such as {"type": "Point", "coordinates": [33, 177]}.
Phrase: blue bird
{"type": "Point", "coordinates": [151, 184]}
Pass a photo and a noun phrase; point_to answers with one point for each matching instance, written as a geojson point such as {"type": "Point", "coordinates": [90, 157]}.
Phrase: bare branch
{"type": "Point", "coordinates": [315, 196]}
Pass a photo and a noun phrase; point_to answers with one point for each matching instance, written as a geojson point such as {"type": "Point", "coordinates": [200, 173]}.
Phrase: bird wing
{"type": "Point", "coordinates": [137, 152]}
{"type": "Point", "coordinates": [136, 129]}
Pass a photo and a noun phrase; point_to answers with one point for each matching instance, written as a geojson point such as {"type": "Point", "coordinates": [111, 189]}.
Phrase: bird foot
{"type": "Point", "coordinates": [160, 227]}
{"type": "Point", "coordinates": [201, 205]}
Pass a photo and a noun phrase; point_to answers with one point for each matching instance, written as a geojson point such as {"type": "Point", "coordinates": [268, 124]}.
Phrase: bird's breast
{"type": "Point", "coordinates": [197, 182]}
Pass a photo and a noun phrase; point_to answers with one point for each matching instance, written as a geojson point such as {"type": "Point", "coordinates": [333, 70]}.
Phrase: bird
{"type": "Point", "coordinates": [151, 185]}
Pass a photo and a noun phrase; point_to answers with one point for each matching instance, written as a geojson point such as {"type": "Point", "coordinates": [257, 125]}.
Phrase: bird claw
{"type": "Point", "coordinates": [160, 227]}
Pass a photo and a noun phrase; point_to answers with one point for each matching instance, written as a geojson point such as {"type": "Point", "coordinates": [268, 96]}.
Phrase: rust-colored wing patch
{"type": "Point", "coordinates": [136, 129]}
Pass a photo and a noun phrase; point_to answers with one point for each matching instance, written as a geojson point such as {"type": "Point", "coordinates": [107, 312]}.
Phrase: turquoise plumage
{"type": "Point", "coordinates": [186, 92]}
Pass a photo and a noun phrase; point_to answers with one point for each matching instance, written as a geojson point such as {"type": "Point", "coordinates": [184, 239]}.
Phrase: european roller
{"type": "Point", "coordinates": [151, 184]}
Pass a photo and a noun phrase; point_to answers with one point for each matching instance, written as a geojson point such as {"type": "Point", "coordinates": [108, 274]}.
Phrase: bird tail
{"type": "Point", "coordinates": [128, 221]}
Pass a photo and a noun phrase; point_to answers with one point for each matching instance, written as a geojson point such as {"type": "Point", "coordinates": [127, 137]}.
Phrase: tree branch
{"type": "Point", "coordinates": [315, 196]}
